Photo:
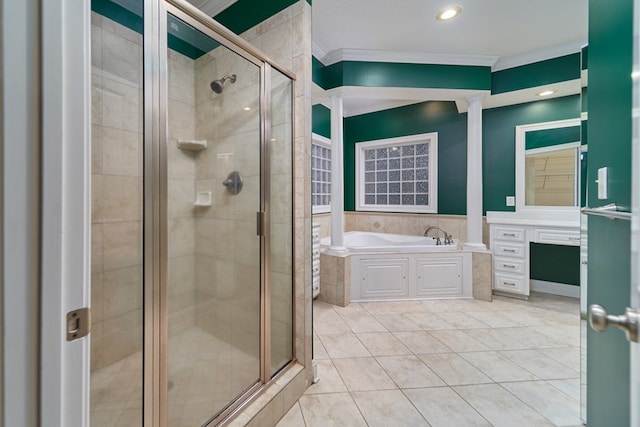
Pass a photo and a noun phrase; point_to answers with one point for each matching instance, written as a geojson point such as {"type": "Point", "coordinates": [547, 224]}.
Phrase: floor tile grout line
{"type": "Point", "coordinates": [527, 404]}
{"type": "Point", "coordinates": [466, 331]}
{"type": "Point", "coordinates": [470, 405]}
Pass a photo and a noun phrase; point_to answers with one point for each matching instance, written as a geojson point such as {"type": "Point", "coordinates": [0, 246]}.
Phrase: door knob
{"type": "Point", "coordinates": [600, 320]}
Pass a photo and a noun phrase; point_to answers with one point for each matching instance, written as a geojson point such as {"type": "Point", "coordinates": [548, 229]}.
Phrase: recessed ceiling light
{"type": "Point", "coordinates": [448, 13]}
{"type": "Point", "coordinates": [546, 93]}
{"type": "Point", "coordinates": [247, 108]}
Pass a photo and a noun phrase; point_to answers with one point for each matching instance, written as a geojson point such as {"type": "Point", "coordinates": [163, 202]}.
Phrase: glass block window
{"type": "Point", "coordinates": [321, 174]}
{"type": "Point", "coordinates": [398, 174]}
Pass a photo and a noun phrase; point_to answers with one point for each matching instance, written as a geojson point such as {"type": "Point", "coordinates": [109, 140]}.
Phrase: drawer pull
{"type": "Point", "coordinates": [508, 265]}
{"type": "Point", "coordinates": [509, 234]}
{"type": "Point", "coordinates": [509, 283]}
{"type": "Point", "coordinates": [511, 251]}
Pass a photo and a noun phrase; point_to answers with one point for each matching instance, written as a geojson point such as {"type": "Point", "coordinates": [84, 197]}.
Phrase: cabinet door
{"type": "Point", "coordinates": [384, 278]}
{"type": "Point", "coordinates": [439, 276]}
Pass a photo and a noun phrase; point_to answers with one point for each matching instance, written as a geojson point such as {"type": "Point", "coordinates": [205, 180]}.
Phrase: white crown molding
{"type": "Point", "coordinates": [370, 55]}
{"type": "Point", "coordinates": [318, 51]}
{"type": "Point", "coordinates": [539, 55]}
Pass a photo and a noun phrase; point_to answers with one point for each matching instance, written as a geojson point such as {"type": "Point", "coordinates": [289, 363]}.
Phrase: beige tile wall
{"type": "Point", "coordinates": [227, 247]}
{"type": "Point", "coordinates": [401, 224]}
{"type": "Point", "coordinates": [286, 39]}
{"type": "Point", "coordinates": [181, 187]}
{"type": "Point", "coordinates": [117, 147]}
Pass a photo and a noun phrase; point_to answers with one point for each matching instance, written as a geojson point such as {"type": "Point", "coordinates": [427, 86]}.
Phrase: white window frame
{"type": "Point", "coordinates": [432, 139]}
{"type": "Point", "coordinates": [323, 142]}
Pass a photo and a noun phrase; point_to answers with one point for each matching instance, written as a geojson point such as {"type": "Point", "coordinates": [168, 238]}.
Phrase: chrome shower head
{"type": "Point", "coordinates": [217, 85]}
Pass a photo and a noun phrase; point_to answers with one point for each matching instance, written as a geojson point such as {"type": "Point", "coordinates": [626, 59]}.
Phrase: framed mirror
{"type": "Point", "coordinates": [548, 165]}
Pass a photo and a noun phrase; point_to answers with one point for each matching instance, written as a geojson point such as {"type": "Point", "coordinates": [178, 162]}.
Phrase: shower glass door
{"type": "Point", "coordinates": [213, 281]}
{"type": "Point", "coordinates": [117, 145]}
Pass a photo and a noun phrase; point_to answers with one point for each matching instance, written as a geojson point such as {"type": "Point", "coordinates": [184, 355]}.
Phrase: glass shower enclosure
{"type": "Point", "coordinates": [193, 213]}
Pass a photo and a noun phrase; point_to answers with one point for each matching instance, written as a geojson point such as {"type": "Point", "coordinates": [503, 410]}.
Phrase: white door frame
{"type": "Point", "coordinates": [66, 208]}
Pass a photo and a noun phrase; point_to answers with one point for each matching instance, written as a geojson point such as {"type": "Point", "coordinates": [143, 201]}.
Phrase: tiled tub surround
{"type": "Point", "coordinates": [411, 224]}
{"type": "Point", "coordinates": [335, 278]}
{"type": "Point", "coordinates": [445, 363]}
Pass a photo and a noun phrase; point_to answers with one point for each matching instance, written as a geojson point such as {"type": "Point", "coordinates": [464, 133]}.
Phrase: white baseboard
{"type": "Point", "coordinates": [555, 288]}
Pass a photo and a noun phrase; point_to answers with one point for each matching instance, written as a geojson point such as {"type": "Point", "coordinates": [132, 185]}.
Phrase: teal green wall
{"type": "Point", "coordinates": [498, 143]}
{"type": "Point", "coordinates": [441, 117]}
{"type": "Point", "coordinates": [245, 14]}
{"type": "Point", "coordinates": [610, 132]}
{"type": "Point", "coordinates": [386, 74]}
{"type": "Point", "coordinates": [555, 263]}
{"type": "Point", "coordinates": [549, 137]}
{"type": "Point", "coordinates": [238, 17]}
{"type": "Point", "coordinates": [321, 120]}
{"type": "Point", "coordinates": [540, 73]}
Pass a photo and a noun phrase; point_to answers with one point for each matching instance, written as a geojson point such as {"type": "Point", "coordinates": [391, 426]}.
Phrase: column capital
{"type": "Point", "coordinates": [478, 97]}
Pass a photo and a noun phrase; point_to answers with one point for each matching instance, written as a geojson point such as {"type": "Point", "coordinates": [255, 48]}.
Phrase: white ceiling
{"type": "Point", "coordinates": [497, 33]}
{"type": "Point", "coordinates": [502, 28]}
{"type": "Point", "coordinates": [500, 33]}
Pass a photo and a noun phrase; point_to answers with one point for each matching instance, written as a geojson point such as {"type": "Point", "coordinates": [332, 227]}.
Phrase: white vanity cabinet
{"type": "Point", "coordinates": [315, 260]}
{"type": "Point", "coordinates": [510, 251]}
{"type": "Point", "coordinates": [510, 238]}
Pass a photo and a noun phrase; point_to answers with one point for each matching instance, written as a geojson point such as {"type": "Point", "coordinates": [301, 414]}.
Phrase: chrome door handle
{"type": "Point", "coordinates": [600, 320]}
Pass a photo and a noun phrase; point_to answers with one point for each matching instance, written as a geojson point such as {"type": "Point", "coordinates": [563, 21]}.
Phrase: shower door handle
{"type": "Point", "coordinates": [260, 223]}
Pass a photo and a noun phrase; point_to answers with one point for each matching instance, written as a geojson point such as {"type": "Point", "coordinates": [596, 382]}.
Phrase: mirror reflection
{"type": "Point", "coordinates": [550, 176]}
{"type": "Point", "coordinates": [549, 160]}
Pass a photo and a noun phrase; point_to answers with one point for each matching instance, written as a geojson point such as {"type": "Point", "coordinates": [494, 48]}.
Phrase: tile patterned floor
{"type": "Point", "coordinates": [445, 363]}
{"type": "Point", "coordinates": [205, 374]}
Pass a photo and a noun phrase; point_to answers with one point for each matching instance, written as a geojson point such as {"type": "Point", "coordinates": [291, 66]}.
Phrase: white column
{"type": "Point", "coordinates": [337, 178]}
{"type": "Point", "coordinates": [474, 174]}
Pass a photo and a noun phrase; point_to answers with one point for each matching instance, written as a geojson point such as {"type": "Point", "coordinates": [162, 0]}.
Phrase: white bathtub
{"type": "Point", "coordinates": [399, 267]}
{"type": "Point", "coordinates": [365, 242]}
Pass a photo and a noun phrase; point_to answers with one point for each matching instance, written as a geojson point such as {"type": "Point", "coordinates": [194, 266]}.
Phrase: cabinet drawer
{"type": "Point", "coordinates": [511, 234]}
{"type": "Point", "coordinates": [508, 265]}
{"type": "Point", "coordinates": [557, 237]}
{"type": "Point", "coordinates": [507, 283]}
{"type": "Point", "coordinates": [509, 249]}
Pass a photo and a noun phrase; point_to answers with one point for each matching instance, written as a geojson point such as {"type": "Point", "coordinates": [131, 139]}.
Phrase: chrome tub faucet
{"type": "Point", "coordinates": [448, 238]}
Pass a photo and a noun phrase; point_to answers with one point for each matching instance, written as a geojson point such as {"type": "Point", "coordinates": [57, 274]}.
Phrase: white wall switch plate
{"type": "Point", "coordinates": [511, 201]}
{"type": "Point", "coordinates": [603, 183]}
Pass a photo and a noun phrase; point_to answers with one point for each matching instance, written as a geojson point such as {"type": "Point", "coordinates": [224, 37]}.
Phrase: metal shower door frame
{"type": "Point", "coordinates": [155, 238]}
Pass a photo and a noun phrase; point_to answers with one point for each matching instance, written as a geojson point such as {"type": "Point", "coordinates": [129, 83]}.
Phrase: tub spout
{"type": "Point", "coordinates": [448, 238]}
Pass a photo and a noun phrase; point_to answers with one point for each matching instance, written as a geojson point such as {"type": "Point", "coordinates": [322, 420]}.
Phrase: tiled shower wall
{"type": "Point", "coordinates": [227, 246]}
{"type": "Point", "coordinates": [181, 170]}
{"type": "Point", "coordinates": [117, 147]}
{"type": "Point", "coordinates": [116, 263]}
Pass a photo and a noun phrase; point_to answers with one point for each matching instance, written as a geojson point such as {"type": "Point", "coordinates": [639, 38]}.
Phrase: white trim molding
{"type": "Point", "coordinates": [432, 140]}
{"type": "Point", "coordinates": [394, 56]}
{"type": "Point", "coordinates": [554, 288]}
